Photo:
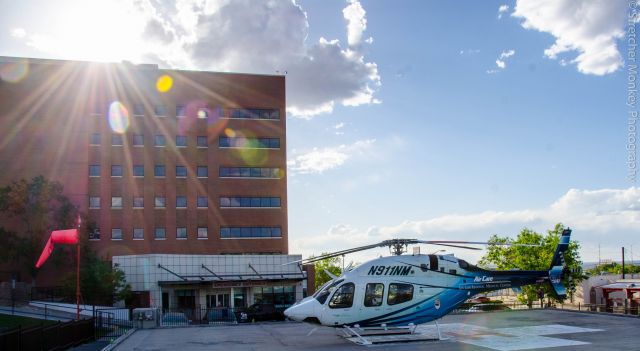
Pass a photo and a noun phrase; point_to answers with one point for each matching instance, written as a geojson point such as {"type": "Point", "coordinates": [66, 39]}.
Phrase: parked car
{"type": "Point", "coordinates": [260, 312]}
{"type": "Point", "coordinates": [488, 307]}
{"type": "Point", "coordinates": [218, 314]}
{"type": "Point", "coordinates": [174, 318]}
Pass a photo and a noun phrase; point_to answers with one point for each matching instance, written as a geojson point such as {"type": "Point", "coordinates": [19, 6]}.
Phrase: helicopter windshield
{"type": "Point", "coordinates": [326, 290]}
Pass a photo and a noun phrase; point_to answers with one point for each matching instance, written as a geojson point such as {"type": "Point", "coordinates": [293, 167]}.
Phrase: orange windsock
{"type": "Point", "coordinates": [68, 237]}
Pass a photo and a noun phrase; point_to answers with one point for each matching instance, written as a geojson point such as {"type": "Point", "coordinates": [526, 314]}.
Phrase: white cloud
{"type": "Point", "coordinates": [469, 52]}
{"type": "Point", "coordinates": [267, 37]}
{"type": "Point", "coordinates": [502, 9]}
{"type": "Point", "coordinates": [222, 35]}
{"type": "Point", "coordinates": [339, 125]}
{"type": "Point", "coordinates": [18, 33]}
{"type": "Point", "coordinates": [356, 22]}
{"type": "Point", "coordinates": [321, 160]}
{"type": "Point", "coordinates": [590, 27]}
{"type": "Point", "coordinates": [501, 60]}
{"type": "Point", "coordinates": [609, 217]}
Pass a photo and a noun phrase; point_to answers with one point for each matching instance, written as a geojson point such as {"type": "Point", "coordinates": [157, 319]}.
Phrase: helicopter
{"type": "Point", "coordinates": [405, 290]}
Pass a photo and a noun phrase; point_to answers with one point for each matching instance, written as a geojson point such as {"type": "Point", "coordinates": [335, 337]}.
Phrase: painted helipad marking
{"type": "Point", "coordinates": [512, 343]}
{"type": "Point", "coordinates": [552, 329]}
{"type": "Point", "coordinates": [525, 338]}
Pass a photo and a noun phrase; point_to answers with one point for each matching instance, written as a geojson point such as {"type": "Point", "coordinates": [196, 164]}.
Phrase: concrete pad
{"type": "Point", "coordinates": [502, 331]}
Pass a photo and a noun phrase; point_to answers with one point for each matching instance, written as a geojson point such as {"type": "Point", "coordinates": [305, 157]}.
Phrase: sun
{"type": "Point", "coordinates": [106, 31]}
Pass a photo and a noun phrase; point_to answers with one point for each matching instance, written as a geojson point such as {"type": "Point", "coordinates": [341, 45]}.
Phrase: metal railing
{"type": "Point", "coordinates": [198, 316]}
{"type": "Point", "coordinates": [111, 323]}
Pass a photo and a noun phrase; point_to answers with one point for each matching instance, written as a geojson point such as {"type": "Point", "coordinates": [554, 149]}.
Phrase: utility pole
{"type": "Point", "coordinates": [623, 262]}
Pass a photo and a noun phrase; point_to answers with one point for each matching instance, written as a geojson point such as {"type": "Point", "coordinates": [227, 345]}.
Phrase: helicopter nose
{"type": "Point", "coordinates": [304, 311]}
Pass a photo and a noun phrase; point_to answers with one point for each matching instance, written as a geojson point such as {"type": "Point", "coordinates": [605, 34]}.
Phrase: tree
{"type": "Point", "coordinates": [535, 258]}
{"type": "Point", "coordinates": [100, 283]}
{"type": "Point", "coordinates": [33, 208]}
{"type": "Point", "coordinates": [331, 264]}
{"type": "Point", "coordinates": [613, 268]}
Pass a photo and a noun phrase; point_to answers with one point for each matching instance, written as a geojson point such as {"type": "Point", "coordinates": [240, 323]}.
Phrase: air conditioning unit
{"type": "Point", "coordinates": [145, 318]}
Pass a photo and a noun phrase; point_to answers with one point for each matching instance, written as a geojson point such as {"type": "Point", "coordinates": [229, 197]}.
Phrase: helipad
{"type": "Point", "coordinates": [502, 331]}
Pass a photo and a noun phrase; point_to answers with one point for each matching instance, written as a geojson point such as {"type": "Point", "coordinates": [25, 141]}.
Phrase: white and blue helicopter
{"type": "Point", "coordinates": [404, 290]}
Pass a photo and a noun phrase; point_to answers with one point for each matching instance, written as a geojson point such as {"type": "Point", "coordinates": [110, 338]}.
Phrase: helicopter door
{"type": "Point", "coordinates": [341, 304]}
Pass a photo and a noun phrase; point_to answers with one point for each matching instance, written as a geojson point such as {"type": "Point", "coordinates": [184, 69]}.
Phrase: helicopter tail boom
{"type": "Point", "coordinates": [558, 265]}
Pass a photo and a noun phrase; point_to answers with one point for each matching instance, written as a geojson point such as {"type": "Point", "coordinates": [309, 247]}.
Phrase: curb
{"type": "Point", "coordinates": [119, 340]}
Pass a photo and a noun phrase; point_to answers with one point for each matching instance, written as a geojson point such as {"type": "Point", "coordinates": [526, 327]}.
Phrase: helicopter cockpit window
{"type": "Point", "coordinates": [399, 293]}
{"type": "Point", "coordinates": [325, 291]}
{"type": "Point", "coordinates": [343, 297]}
{"type": "Point", "coordinates": [373, 294]}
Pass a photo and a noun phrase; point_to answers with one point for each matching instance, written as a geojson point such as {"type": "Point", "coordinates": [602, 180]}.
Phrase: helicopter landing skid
{"type": "Point", "coordinates": [386, 335]}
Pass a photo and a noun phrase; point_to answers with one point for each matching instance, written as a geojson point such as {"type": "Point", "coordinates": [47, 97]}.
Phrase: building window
{"type": "Point", "coordinates": [181, 202]}
{"type": "Point", "coordinates": [138, 109]}
{"type": "Point", "coordinates": [203, 202]}
{"type": "Point", "coordinates": [249, 172]}
{"type": "Point", "coordinates": [94, 234]}
{"type": "Point", "coordinates": [160, 202]}
{"type": "Point", "coordinates": [250, 232]}
{"type": "Point", "coordinates": [95, 139]}
{"type": "Point", "coordinates": [94, 202]}
{"type": "Point", "coordinates": [203, 171]}
{"type": "Point", "coordinates": [280, 296]}
{"type": "Point", "coordinates": [249, 143]}
{"type": "Point", "coordinates": [255, 113]}
{"type": "Point", "coordinates": [138, 202]}
{"type": "Point", "coordinates": [159, 171]}
{"type": "Point", "coordinates": [203, 141]}
{"type": "Point", "coordinates": [238, 201]}
{"type": "Point", "coordinates": [203, 113]}
{"type": "Point", "coordinates": [116, 171]}
{"type": "Point", "coordinates": [181, 111]}
{"type": "Point", "coordinates": [160, 110]}
{"type": "Point", "coordinates": [94, 170]}
{"type": "Point", "coordinates": [116, 140]}
{"type": "Point", "coordinates": [203, 232]}
{"type": "Point", "coordinates": [160, 140]}
{"type": "Point", "coordinates": [181, 172]}
{"type": "Point", "coordinates": [116, 234]}
{"type": "Point", "coordinates": [97, 109]}
{"type": "Point", "coordinates": [181, 233]}
{"type": "Point", "coordinates": [138, 170]}
{"type": "Point", "coordinates": [138, 140]}
{"type": "Point", "coordinates": [138, 234]}
{"type": "Point", "coordinates": [160, 234]}
{"type": "Point", "coordinates": [181, 140]}
{"type": "Point", "coordinates": [116, 202]}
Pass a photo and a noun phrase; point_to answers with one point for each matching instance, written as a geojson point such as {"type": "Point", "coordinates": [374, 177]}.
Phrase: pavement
{"type": "Point", "coordinates": [502, 331]}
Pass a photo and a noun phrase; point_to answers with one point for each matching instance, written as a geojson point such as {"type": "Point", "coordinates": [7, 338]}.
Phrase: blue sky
{"type": "Point", "coordinates": [426, 119]}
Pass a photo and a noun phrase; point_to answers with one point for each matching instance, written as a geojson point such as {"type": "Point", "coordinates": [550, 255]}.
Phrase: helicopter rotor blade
{"type": "Point", "coordinates": [437, 242]}
{"type": "Point", "coordinates": [459, 246]}
{"type": "Point", "coordinates": [334, 254]}
{"type": "Point", "coordinates": [397, 242]}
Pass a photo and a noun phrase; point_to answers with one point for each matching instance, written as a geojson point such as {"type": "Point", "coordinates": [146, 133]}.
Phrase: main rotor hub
{"type": "Point", "coordinates": [399, 246]}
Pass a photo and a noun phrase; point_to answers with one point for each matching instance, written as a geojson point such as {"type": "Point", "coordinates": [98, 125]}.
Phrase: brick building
{"type": "Point", "coordinates": [164, 162]}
